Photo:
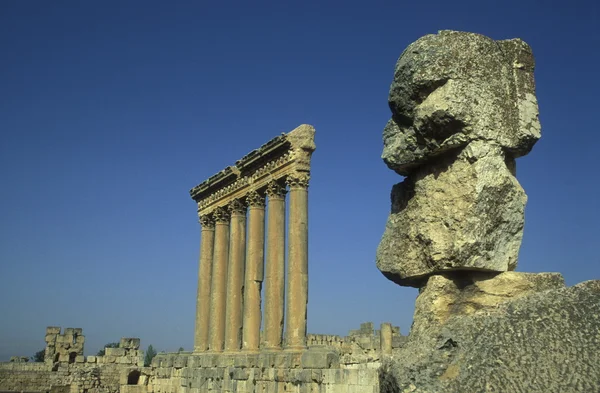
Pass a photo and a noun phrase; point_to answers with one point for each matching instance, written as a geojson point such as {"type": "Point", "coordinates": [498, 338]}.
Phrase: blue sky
{"type": "Point", "coordinates": [111, 111]}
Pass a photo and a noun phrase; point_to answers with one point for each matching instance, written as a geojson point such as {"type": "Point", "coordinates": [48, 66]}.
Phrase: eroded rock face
{"type": "Point", "coordinates": [465, 211]}
{"type": "Point", "coordinates": [454, 294]}
{"type": "Point", "coordinates": [463, 108]}
{"type": "Point", "coordinates": [535, 342]}
{"type": "Point", "coordinates": [455, 87]}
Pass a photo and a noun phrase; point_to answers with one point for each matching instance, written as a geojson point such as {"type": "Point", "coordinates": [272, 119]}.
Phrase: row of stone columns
{"type": "Point", "coordinates": [231, 272]}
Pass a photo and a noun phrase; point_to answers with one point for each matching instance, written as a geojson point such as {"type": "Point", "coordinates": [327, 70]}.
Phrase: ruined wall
{"type": "Point", "coordinates": [65, 369]}
{"type": "Point", "coordinates": [302, 371]}
{"type": "Point", "coordinates": [77, 377]}
{"type": "Point", "coordinates": [361, 348]}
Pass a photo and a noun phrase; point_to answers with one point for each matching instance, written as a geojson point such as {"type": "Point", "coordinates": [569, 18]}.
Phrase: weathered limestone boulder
{"type": "Point", "coordinates": [546, 341]}
{"type": "Point", "coordinates": [463, 108]}
{"type": "Point", "coordinates": [455, 87]}
{"type": "Point", "coordinates": [465, 211]}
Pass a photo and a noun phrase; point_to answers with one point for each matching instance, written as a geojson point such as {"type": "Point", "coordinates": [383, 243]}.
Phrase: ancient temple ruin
{"type": "Point", "coordinates": [463, 109]}
{"type": "Point", "coordinates": [231, 272]}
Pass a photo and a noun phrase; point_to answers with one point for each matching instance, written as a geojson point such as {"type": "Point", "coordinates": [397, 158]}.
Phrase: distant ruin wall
{"type": "Point", "coordinates": [65, 369]}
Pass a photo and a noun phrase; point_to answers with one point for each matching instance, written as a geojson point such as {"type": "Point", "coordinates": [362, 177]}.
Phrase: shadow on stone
{"type": "Point", "coordinates": [387, 381]}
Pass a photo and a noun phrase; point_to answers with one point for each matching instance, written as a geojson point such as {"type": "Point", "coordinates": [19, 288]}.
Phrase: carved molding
{"type": "Point", "coordinates": [221, 215]}
{"type": "Point", "coordinates": [237, 207]}
{"type": "Point", "coordinates": [207, 222]}
{"type": "Point", "coordinates": [287, 155]}
{"type": "Point", "coordinates": [275, 190]}
{"type": "Point", "coordinates": [297, 181]}
{"type": "Point", "coordinates": [255, 199]}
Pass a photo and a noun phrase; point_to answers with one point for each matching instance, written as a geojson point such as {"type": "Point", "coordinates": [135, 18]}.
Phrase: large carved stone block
{"type": "Point", "coordinates": [455, 87]}
{"type": "Point", "coordinates": [463, 108]}
{"type": "Point", "coordinates": [464, 212]}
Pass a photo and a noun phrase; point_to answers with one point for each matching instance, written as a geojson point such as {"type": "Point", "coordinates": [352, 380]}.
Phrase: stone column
{"type": "Point", "coordinates": [297, 274]}
{"type": "Point", "coordinates": [275, 273]}
{"type": "Point", "coordinates": [204, 277]}
{"type": "Point", "coordinates": [385, 338]}
{"type": "Point", "coordinates": [218, 281]}
{"type": "Point", "coordinates": [235, 276]}
{"type": "Point", "coordinates": [254, 272]}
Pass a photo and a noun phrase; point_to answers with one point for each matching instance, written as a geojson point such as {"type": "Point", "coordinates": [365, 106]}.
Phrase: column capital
{"type": "Point", "coordinates": [255, 199]}
{"type": "Point", "coordinates": [275, 190]}
{"type": "Point", "coordinates": [221, 215]}
{"type": "Point", "coordinates": [298, 181]}
{"type": "Point", "coordinates": [236, 207]}
{"type": "Point", "coordinates": [207, 221]}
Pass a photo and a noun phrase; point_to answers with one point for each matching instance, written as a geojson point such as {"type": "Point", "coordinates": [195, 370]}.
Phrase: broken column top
{"type": "Point", "coordinates": [285, 155]}
{"type": "Point", "coordinates": [454, 87]}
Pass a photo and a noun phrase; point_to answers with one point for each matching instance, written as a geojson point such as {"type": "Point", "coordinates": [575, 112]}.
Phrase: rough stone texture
{"type": "Point", "coordinates": [465, 211]}
{"type": "Point", "coordinates": [463, 108]}
{"type": "Point", "coordinates": [546, 341]}
{"type": "Point", "coordinates": [459, 294]}
{"type": "Point", "coordinates": [66, 347]}
{"type": "Point", "coordinates": [455, 87]}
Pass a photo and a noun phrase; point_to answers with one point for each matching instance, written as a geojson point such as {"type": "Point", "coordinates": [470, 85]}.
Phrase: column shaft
{"type": "Point", "coordinates": [297, 274]}
{"type": "Point", "coordinates": [275, 269]}
{"type": "Point", "coordinates": [235, 277]}
{"type": "Point", "coordinates": [218, 281]}
{"type": "Point", "coordinates": [254, 272]}
{"type": "Point", "coordinates": [204, 277]}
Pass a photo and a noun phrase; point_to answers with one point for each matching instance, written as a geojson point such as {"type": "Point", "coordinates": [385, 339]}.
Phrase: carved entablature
{"type": "Point", "coordinates": [287, 155]}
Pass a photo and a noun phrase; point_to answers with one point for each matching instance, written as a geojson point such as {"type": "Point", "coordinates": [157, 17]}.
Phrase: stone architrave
{"type": "Point", "coordinates": [218, 292]}
{"type": "Point", "coordinates": [275, 266]}
{"type": "Point", "coordinates": [204, 277]}
{"type": "Point", "coordinates": [254, 272]}
{"type": "Point", "coordinates": [297, 272]}
{"type": "Point", "coordinates": [235, 276]}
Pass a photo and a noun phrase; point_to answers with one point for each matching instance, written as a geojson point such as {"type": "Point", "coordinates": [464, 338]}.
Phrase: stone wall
{"type": "Point", "coordinates": [315, 370]}
{"type": "Point", "coordinates": [65, 369]}
{"type": "Point", "coordinates": [73, 378]}
{"type": "Point", "coordinates": [330, 364]}
{"type": "Point", "coordinates": [361, 348]}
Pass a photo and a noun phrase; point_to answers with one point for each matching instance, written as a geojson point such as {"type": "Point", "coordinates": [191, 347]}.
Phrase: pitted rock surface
{"type": "Point", "coordinates": [465, 211]}
{"type": "Point", "coordinates": [455, 87]}
{"type": "Point", "coordinates": [547, 341]}
{"type": "Point", "coordinates": [463, 108]}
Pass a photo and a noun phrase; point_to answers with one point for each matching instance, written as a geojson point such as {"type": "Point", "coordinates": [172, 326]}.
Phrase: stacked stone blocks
{"type": "Point", "coordinates": [66, 347]}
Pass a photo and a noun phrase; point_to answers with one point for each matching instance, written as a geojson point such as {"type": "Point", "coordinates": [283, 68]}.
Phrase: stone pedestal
{"type": "Point", "coordinates": [204, 278]}
{"type": "Point", "coordinates": [254, 272]}
{"type": "Point", "coordinates": [235, 276]}
{"type": "Point", "coordinates": [274, 280]}
{"type": "Point", "coordinates": [297, 275]}
{"type": "Point", "coordinates": [218, 281]}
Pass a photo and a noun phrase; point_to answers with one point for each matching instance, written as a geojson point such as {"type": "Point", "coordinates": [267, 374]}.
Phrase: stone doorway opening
{"type": "Point", "coordinates": [133, 377]}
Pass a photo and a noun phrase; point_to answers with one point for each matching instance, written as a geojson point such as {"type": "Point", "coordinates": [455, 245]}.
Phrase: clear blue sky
{"type": "Point", "coordinates": [111, 111]}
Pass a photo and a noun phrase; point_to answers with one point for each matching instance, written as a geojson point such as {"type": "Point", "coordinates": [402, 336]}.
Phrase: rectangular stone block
{"type": "Point", "coordinates": [79, 339]}
{"type": "Point", "coordinates": [367, 328]}
{"type": "Point", "coordinates": [53, 330]}
{"type": "Point", "coordinates": [129, 343]}
{"type": "Point", "coordinates": [114, 351]}
{"type": "Point", "coordinates": [239, 374]}
{"type": "Point", "coordinates": [180, 361]}
{"type": "Point", "coordinates": [315, 358]}
{"type": "Point", "coordinates": [79, 359]}
{"type": "Point", "coordinates": [91, 359]}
